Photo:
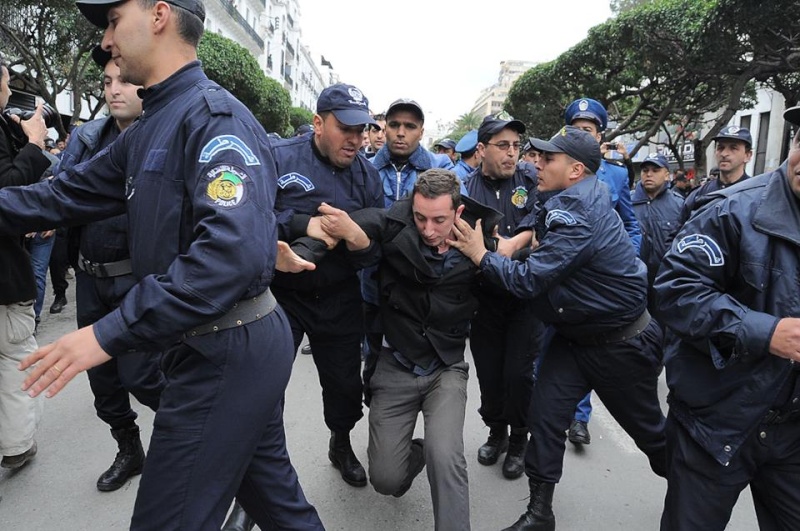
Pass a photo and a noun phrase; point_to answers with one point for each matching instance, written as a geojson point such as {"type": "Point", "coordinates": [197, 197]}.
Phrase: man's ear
{"type": "Point", "coordinates": [459, 210]}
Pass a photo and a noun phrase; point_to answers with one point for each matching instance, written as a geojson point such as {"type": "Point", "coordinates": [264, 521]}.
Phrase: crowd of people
{"type": "Point", "coordinates": [564, 276]}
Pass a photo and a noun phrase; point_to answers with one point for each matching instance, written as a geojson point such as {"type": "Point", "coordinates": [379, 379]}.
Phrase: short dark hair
{"type": "Point", "coordinates": [190, 27]}
{"type": "Point", "coordinates": [379, 116]}
{"type": "Point", "coordinates": [437, 182]}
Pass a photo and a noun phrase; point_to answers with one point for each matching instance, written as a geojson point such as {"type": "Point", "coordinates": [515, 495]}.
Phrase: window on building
{"type": "Point", "coordinates": [761, 144]}
{"type": "Point", "coordinates": [745, 121]}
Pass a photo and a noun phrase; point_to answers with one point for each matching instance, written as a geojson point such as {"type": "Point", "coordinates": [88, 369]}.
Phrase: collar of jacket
{"type": "Point", "coordinates": [640, 195]}
{"type": "Point", "coordinates": [419, 159]}
{"type": "Point", "coordinates": [778, 213]}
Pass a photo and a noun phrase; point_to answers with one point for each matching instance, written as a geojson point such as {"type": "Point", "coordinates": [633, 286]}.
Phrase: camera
{"type": "Point", "coordinates": [611, 146]}
{"type": "Point", "coordinates": [18, 136]}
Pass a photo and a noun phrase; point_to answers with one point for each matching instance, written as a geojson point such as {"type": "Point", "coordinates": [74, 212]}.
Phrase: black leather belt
{"type": "Point", "coordinates": [617, 335]}
{"type": "Point", "coordinates": [109, 269]}
{"type": "Point", "coordinates": [243, 312]}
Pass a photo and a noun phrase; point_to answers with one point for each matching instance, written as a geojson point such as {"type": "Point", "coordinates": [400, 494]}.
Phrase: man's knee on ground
{"type": "Point", "coordinates": [386, 480]}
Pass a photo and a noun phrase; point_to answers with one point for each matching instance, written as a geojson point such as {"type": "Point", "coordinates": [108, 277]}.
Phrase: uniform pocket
{"type": "Point", "coordinates": [19, 321]}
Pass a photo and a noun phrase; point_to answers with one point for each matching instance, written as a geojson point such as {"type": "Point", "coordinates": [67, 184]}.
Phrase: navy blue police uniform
{"type": "Point", "coordinates": [198, 181]}
{"type": "Point", "coordinates": [505, 335]}
{"type": "Point", "coordinates": [734, 407]}
{"type": "Point", "coordinates": [325, 303]}
{"type": "Point", "coordinates": [585, 280]}
{"type": "Point", "coordinates": [659, 219]}
{"type": "Point", "coordinates": [102, 279]}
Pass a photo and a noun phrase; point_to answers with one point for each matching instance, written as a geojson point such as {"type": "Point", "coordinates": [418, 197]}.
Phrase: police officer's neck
{"type": "Point", "coordinates": [728, 178]}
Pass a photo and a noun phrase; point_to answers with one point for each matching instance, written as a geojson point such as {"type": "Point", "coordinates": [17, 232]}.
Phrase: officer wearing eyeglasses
{"type": "Point", "coordinates": [504, 335]}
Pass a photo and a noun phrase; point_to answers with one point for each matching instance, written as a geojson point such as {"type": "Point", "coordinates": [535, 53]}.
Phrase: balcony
{"type": "Point", "coordinates": [290, 21]}
{"type": "Point", "coordinates": [235, 15]}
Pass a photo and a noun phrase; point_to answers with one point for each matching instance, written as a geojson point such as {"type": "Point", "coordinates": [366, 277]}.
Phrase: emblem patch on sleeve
{"type": "Point", "coordinates": [225, 186]}
{"type": "Point", "coordinates": [226, 142]}
{"type": "Point", "coordinates": [519, 197]}
{"type": "Point", "coordinates": [295, 178]}
{"type": "Point", "coordinates": [559, 216]}
{"type": "Point", "coordinates": [705, 244]}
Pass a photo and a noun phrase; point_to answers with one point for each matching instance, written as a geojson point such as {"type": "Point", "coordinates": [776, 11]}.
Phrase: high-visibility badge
{"type": "Point", "coordinates": [226, 186]}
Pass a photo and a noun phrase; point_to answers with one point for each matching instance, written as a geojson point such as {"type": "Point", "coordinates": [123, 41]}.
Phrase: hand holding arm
{"type": "Point", "coordinates": [315, 230]}
{"type": "Point", "coordinates": [338, 224]}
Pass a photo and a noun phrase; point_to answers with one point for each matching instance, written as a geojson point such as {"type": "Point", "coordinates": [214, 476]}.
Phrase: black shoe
{"type": "Point", "coordinates": [306, 350]}
{"type": "Point", "coordinates": [539, 516]}
{"type": "Point", "coordinates": [342, 456]}
{"type": "Point", "coordinates": [58, 304]}
{"type": "Point", "coordinates": [415, 465]}
{"type": "Point", "coordinates": [514, 464]}
{"type": "Point", "coordinates": [238, 520]}
{"type": "Point", "coordinates": [20, 460]}
{"type": "Point", "coordinates": [579, 433]}
{"type": "Point", "coordinates": [489, 453]}
{"type": "Point", "coordinates": [128, 463]}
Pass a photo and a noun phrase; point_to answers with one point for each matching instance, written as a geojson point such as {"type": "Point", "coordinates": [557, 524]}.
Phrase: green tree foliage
{"type": "Point", "coordinates": [234, 67]}
{"type": "Point", "coordinates": [464, 124]}
{"type": "Point", "coordinates": [672, 66]}
{"type": "Point", "coordinates": [47, 45]}
{"type": "Point", "coordinates": [299, 116]}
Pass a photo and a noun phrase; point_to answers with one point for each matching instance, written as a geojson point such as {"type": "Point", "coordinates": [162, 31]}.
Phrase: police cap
{"type": "Point", "coordinates": [446, 143]}
{"type": "Point", "coordinates": [468, 142]}
{"type": "Point", "coordinates": [405, 104]}
{"type": "Point", "coordinates": [656, 159]}
{"type": "Point", "coordinates": [734, 132]}
{"type": "Point", "coordinates": [491, 126]}
{"type": "Point", "coordinates": [588, 109]}
{"type": "Point", "coordinates": [96, 10]}
{"type": "Point", "coordinates": [347, 103]}
{"type": "Point", "coordinates": [574, 142]}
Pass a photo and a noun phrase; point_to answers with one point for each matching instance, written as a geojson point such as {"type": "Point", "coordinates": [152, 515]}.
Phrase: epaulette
{"type": "Point", "coordinates": [217, 99]}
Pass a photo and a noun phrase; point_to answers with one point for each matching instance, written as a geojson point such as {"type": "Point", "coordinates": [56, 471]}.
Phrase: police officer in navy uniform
{"type": "Point", "coordinates": [447, 147]}
{"type": "Point", "coordinates": [728, 290]}
{"type": "Point", "coordinates": [586, 281]}
{"type": "Point", "coordinates": [505, 335]}
{"type": "Point", "coordinates": [658, 209]}
{"type": "Point", "coordinates": [591, 116]}
{"type": "Point", "coordinates": [102, 279]}
{"type": "Point", "coordinates": [326, 166]}
{"type": "Point", "coordinates": [198, 181]}
{"type": "Point", "coordinates": [733, 149]}
{"type": "Point", "coordinates": [470, 159]}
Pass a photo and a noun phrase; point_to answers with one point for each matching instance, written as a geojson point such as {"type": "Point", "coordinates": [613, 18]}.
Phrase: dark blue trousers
{"type": "Point", "coordinates": [505, 340]}
{"type": "Point", "coordinates": [137, 373]}
{"type": "Point", "coordinates": [334, 322]}
{"type": "Point", "coordinates": [701, 492]}
{"type": "Point", "coordinates": [625, 377]}
{"type": "Point", "coordinates": [218, 433]}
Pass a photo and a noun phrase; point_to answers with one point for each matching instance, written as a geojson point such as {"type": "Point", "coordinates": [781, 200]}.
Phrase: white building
{"type": "Point", "coordinates": [492, 98]}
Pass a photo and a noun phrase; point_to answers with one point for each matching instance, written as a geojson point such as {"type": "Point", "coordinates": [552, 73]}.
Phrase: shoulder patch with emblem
{"type": "Point", "coordinates": [226, 187]}
{"type": "Point", "coordinates": [519, 197]}
{"type": "Point", "coordinates": [706, 244]}
{"type": "Point", "coordinates": [222, 143]}
{"type": "Point", "coordinates": [561, 216]}
{"type": "Point", "coordinates": [295, 178]}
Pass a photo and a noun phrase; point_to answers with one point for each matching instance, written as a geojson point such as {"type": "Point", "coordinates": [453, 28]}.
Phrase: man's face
{"type": "Point", "coordinates": [121, 97]}
{"type": "Point", "coordinates": [683, 184]}
{"type": "Point", "coordinates": [731, 155]}
{"type": "Point", "coordinates": [5, 91]}
{"type": "Point", "coordinates": [653, 177]}
{"type": "Point", "coordinates": [128, 39]}
{"type": "Point", "coordinates": [451, 153]}
{"type": "Point", "coordinates": [338, 142]}
{"type": "Point", "coordinates": [434, 218]}
{"type": "Point", "coordinates": [532, 156]}
{"type": "Point", "coordinates": [588, 126]}
{"type": "Point", "coordinates": [377, 135]}
{"type": "Point", "coordinates": [500, 154]}
{"type": "Point", "coordinates": [554, 172]}
{"type": "Point", "coordinates": [403, 133]}
{"type": "Point", "coordinates": [793, 165]}
{"type": "Point", "coordinates": [62, 144]}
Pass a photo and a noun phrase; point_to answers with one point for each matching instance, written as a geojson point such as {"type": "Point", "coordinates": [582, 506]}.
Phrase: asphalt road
{"type": "Point", "coordinates": [606, 486]}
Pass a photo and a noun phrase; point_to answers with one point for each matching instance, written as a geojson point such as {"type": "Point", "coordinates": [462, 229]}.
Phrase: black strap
{"type": "Point", "coordinates": [243, 312]}
{"type": "Point", "coordinates": [108, 269]}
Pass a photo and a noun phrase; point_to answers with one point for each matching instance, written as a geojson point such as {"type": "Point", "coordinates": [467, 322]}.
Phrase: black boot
{"type": "Point", "coordinates": [238, 520]}
{"type": "Point", "coordinates": [495, 445]}
{"type": "Point", "coordinates": [342, 456]}
{"type": "Point", "coordinates": [539, 516]}
{"type": "Point", "coordinates": [514, 464]}
{"type": "Point", "coordinates": [129, 460]}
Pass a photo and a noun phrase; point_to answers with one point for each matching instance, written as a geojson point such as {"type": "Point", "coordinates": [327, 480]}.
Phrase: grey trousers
{"type": "Point", "coordinates": [398, 396]}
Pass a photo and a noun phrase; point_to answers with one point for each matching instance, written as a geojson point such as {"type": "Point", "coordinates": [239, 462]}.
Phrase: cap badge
{"type": "Point", "coordinates": [355, 94]}
{"type": "Point", "coordinates": [732, 130]}
{"type": "Point", "coordinates": [583, 105]}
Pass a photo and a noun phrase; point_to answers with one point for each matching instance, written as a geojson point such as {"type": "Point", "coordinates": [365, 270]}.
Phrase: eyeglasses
{"type": "Point", "coordinates": [503, 146]}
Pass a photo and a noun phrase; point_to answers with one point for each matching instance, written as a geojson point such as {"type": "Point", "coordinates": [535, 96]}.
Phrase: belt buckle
{"type": "Point", "coordinates": [89, 267]}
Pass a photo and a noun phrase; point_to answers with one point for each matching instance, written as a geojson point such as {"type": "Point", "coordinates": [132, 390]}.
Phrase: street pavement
{"type": "Point", "coordinates": [607, 485]}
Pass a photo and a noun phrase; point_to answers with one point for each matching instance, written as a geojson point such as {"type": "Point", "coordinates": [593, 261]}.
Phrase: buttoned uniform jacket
{"type": "Point", "coordinates": [584, 277]}
{"type": "Point", "coordinates": [305, 180]}
{"type": "Point", "coordinates": [659, 221]}
{"type": "Point", "coordinates": [188, 240]}
{"type": "Point", "coordinates": [17, 168]}
{"type": "Point", "coordinates": [729, 277]}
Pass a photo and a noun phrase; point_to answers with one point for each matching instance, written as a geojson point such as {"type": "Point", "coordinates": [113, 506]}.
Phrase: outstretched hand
{"type": "Point", "coordinates": [289, 261]}
{"type": "Point", "coordinates": [60, 361]}
{"type": "Point", "coordinates": [468, 240]}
